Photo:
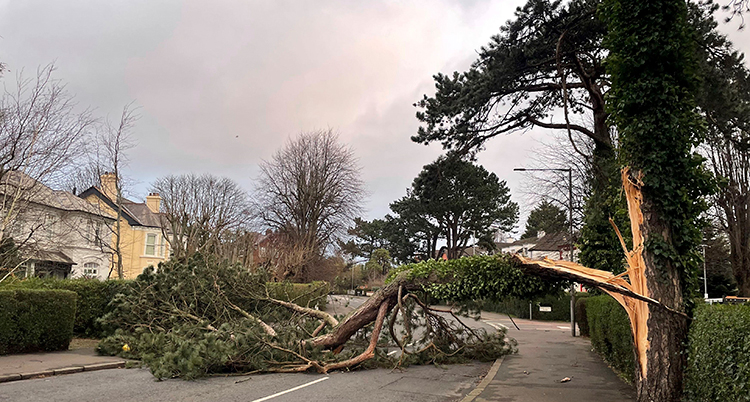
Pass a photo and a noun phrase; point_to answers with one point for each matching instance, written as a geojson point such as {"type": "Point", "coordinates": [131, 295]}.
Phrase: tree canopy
{"type": "Point", "coordinates": [309, 192]}
{"type": "Point", "coordinates": [456, 200]}
{"type": "Point", "coordinates": [546, 217]}
{"type": "Point", "coordinates": [518, 80]}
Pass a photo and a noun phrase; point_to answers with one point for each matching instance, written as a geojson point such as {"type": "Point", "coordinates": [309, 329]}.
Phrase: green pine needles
{"type": "Point", "coordinates": [200, 317]}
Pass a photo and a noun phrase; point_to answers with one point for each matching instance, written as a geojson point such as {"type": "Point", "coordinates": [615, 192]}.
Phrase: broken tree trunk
{"type": "Point", "coordinates": [365, 314]}
{"type": "Point", "coordinates": [652, 298]}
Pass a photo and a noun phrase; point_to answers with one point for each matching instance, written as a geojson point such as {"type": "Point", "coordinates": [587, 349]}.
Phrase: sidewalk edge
{"type": "Point", "coordinates": [67, 370]}
{"type": "Point", "coordinates": [485, 382]}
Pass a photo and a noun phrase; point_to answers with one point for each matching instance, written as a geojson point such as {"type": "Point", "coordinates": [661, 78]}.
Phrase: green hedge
{"type": "Point", "coordinates": [314, 294]}
{"type": "Point", "coordinates": [560, 304]}
{"type": "Point", "coordinates": [582, 317]}
{"type": "Point", "coordinates": [93, 299]}
{"type": "Point", "coordinates": [609, 329]}
{"type": "Point", "coordinates": [719, 354]}
{"type": "Point", "coordinates": [34, 320]}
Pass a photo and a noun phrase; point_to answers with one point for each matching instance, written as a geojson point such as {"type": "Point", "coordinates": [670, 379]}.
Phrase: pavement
{"type": "Point", "coordinates": [548, 354]}
{"type": "Point", "coordinates": [34, 365]}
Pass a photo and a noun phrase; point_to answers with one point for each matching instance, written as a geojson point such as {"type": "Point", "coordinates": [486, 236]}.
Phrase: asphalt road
{"type": "Point", "coordinates": [417, 383]}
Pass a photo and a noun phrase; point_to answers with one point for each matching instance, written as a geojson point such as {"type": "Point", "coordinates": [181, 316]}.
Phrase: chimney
{"type": "Point", "coordinates": [153, 202]}
{"type": "Point", "coordinates": [109, 185]}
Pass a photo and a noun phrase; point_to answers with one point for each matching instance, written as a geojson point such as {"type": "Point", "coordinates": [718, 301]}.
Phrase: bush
{"type": "Point", "coordinates": [581, 317]}
{"type": "Point", "coordinates": [719, 354]}
{"type": "Point", "coordinates": [36, 320]}
{"type": "Point", "coordinates": [93, 299]}
{"type": "Point", "coordinates": [609, 329]}
{"type": "Point", "coordinates": [560, 304]}
{"type": "Point", "coordinates": [314, 294]}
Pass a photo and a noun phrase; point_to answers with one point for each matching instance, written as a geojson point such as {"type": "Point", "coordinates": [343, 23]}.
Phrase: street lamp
{"type": "Point", "coordinates": [570, 222]}
{"type": "Point", "coordinates": [705, 276]}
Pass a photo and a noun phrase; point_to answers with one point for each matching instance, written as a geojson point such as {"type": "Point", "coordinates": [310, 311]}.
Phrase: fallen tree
{"type": "Point", "coordinates": [197, 318]}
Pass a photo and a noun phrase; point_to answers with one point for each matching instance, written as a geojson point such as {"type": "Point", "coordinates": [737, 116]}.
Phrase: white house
{"type": "Point", "coordinates": [58, 234]}
{"type": "Point", "coordinates": [552, 245]}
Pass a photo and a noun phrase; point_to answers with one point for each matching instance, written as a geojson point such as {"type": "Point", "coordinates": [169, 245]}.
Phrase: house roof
{"type": "Point", "coordinates": [552, 242]}
{"type": "Point", "coordinates": [36, 192]}
{"type": "Point", "coordinates": [143, 213]}
{"type": "Point", "coordinates": [525, 242]}
{"type": "Point", "coordinates": [135, 213]}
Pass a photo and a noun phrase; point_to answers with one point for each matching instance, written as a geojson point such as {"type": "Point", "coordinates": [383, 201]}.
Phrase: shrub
{"type": "Point", "coordinates": [581, 317]}
{"type": "Point", "coordinates": [36, 320]}
{"type": "Point", "coordinates": [609, 329]}
{"type": "Point", "coordinates": [719, 354]}
{"type": "Point", "coordinates": [560, 304]}
{"type": "Point", "coordinates": [93, 299]}
{"type": "Point", "coordinates": [314, 294]}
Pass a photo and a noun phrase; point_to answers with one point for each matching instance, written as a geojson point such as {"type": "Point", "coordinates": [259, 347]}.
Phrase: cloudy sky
{"type": "Point", "coordinates": [220, 85]}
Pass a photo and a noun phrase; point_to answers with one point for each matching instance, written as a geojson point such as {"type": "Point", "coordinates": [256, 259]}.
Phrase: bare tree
{"type": "Point", "coordinates": [560, 153]}
{"type": "Point", "coordinates": [200, 211]}
{"type": "Point", "coordinates": [111, 157]}
{"type": "Point", "coordinates": [41, 137]}
{"type": "Point", "coordinates": [729, 158]}
{"type": "Point", "coordinates": [309, 192]}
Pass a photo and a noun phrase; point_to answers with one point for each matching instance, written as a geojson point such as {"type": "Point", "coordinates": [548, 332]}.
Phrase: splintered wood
{"type": "Point", "coordinates": [633, 293]}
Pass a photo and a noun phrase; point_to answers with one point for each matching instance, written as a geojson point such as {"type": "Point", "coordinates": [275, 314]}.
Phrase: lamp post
{"type": "Point", "coordinates": [705, 276]}
{"type": "Point", "coordinates": [570, 222]}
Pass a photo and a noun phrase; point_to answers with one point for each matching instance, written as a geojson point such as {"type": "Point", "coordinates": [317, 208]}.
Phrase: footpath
{"type": "Point", "coordinates": [35, 365]}
{"type": "Point", "coordinates": [550, 365]}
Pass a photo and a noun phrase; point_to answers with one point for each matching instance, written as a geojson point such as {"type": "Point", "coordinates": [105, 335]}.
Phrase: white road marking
{"type": "Point", "coordinates": [563, 327]}
{"type": "Point", "coordinates": [393, 352]}
{"type": "Point", "coordinates": [498, 327]}
{"type": "Point", "coordinates": [290, 390]}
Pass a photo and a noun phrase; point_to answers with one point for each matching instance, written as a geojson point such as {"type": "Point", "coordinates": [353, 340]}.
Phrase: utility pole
{"type": "Point", "coordinates": [570, 239]}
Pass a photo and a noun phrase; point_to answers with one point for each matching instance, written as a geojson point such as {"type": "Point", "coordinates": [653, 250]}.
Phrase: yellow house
{"type": "Point", "coordinates": [142, 241]}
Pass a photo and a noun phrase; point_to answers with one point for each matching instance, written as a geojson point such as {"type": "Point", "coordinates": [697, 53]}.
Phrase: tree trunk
{"type": "Point", "coordinates": [362, 316]}
{"type": "Point", "coordinates": [659, 368]}
{"type": "Point", "coordinates": [661, 380]}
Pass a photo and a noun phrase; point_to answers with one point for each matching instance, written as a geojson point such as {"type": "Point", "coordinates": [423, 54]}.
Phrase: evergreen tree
{"type": "Point", "coordinates": [546, 217]}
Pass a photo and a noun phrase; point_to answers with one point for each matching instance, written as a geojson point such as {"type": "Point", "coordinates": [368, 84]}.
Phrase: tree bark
{"type": "Point", "coordinates": [660, 360]}
{"type": "Point", "coordinates": [362, 316]}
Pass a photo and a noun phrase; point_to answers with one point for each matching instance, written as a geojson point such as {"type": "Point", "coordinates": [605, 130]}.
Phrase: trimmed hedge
{"type": "Point", "coordinates": [313, 294]}
{"type": "Point", "coordinates": [609, 329]}
{"type": "Point", "coordinates": [581, 317]}
{"type": "Point", "coordinates": [34, 320]}
{"type": "Point", "coordinates": [93, 299]}
{"type": "Point", "coordinates": [719, 354]}
{"type": "Point", "coordinates": [520, 308]}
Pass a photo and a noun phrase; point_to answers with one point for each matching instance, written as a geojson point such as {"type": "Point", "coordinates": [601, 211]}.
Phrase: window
{"type": "Point", "coordinates": [150, 244]}
{"type": "Point", "coordinates": [90, 269]}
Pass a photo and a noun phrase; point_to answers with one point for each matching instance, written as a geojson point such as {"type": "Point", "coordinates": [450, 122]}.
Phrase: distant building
{"type": "Point", "coordinates": [142, 242]}
{"type": "Point", "coordinates": [552, 245]}
{"type": "Point", "coordinates": [58, 234]}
